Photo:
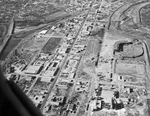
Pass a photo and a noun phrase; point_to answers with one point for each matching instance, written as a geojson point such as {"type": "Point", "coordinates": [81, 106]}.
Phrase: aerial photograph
{"type": "Point", "coordinates": [78, 57]}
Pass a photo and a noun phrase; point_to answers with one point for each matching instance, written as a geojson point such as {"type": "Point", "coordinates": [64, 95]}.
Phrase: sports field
{"type": "Point", "coordinates": [51, 45]}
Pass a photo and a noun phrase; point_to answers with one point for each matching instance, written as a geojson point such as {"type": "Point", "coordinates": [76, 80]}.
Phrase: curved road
{"type": "Point", "coordinates": [121, 11]}
{"type": "Point", "coordinates": [134, 11]}
{"type": "Point", "coordinates": [116, 14]}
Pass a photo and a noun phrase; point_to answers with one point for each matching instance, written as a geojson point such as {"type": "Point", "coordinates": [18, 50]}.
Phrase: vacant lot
{"type": "Point", "coordinates": [51, 45]}
{"type": "Point", "coordinates": [129, 68]}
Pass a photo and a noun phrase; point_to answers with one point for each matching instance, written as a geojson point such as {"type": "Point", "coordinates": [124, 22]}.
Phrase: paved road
{"type": "Point", "coordinates": [136, 13]}
{"type": "Point", "coordinates": [94, 84]}
{"type": "Point", "coordinates": [116, 14]}
{"type": "Point", "coordinates": [56, 78]}
{"type": "Point", "coordinates": [53, 84]}
{"type": "Point", "coordinates": [132, 6]}
{"type": "Point", "coordinates": [147, 58]}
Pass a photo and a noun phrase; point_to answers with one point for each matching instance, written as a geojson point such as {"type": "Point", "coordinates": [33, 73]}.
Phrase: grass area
{"type": "Point", "coordinates": [51, 45]}
{"type": "Point", "coordinates": [145, 15]}
{"type": "Point", "coordinates": [28, 22]}
{"type": "Point", "coordinates": [3, 30]}
{"type": "Point", "coordinates": [10, 46]}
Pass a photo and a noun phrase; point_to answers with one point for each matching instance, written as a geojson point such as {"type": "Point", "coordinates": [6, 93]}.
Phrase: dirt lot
{"type": "Point", "coordinates": [127, 68]}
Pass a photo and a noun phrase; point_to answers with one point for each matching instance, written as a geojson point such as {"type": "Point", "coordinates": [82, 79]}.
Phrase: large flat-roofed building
{"type": "Point", "coordinates": [32, 69]}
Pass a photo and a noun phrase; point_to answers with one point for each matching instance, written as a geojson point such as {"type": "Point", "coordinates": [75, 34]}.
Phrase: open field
{"type": "Point", "coordinates": [2, 33]}
{"type": "Point", "coordinates": [11, 45]}
{"type": "Point", "coordinates": [145, 15]}
{"type": "Point", "coordinates": [3, 30]}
